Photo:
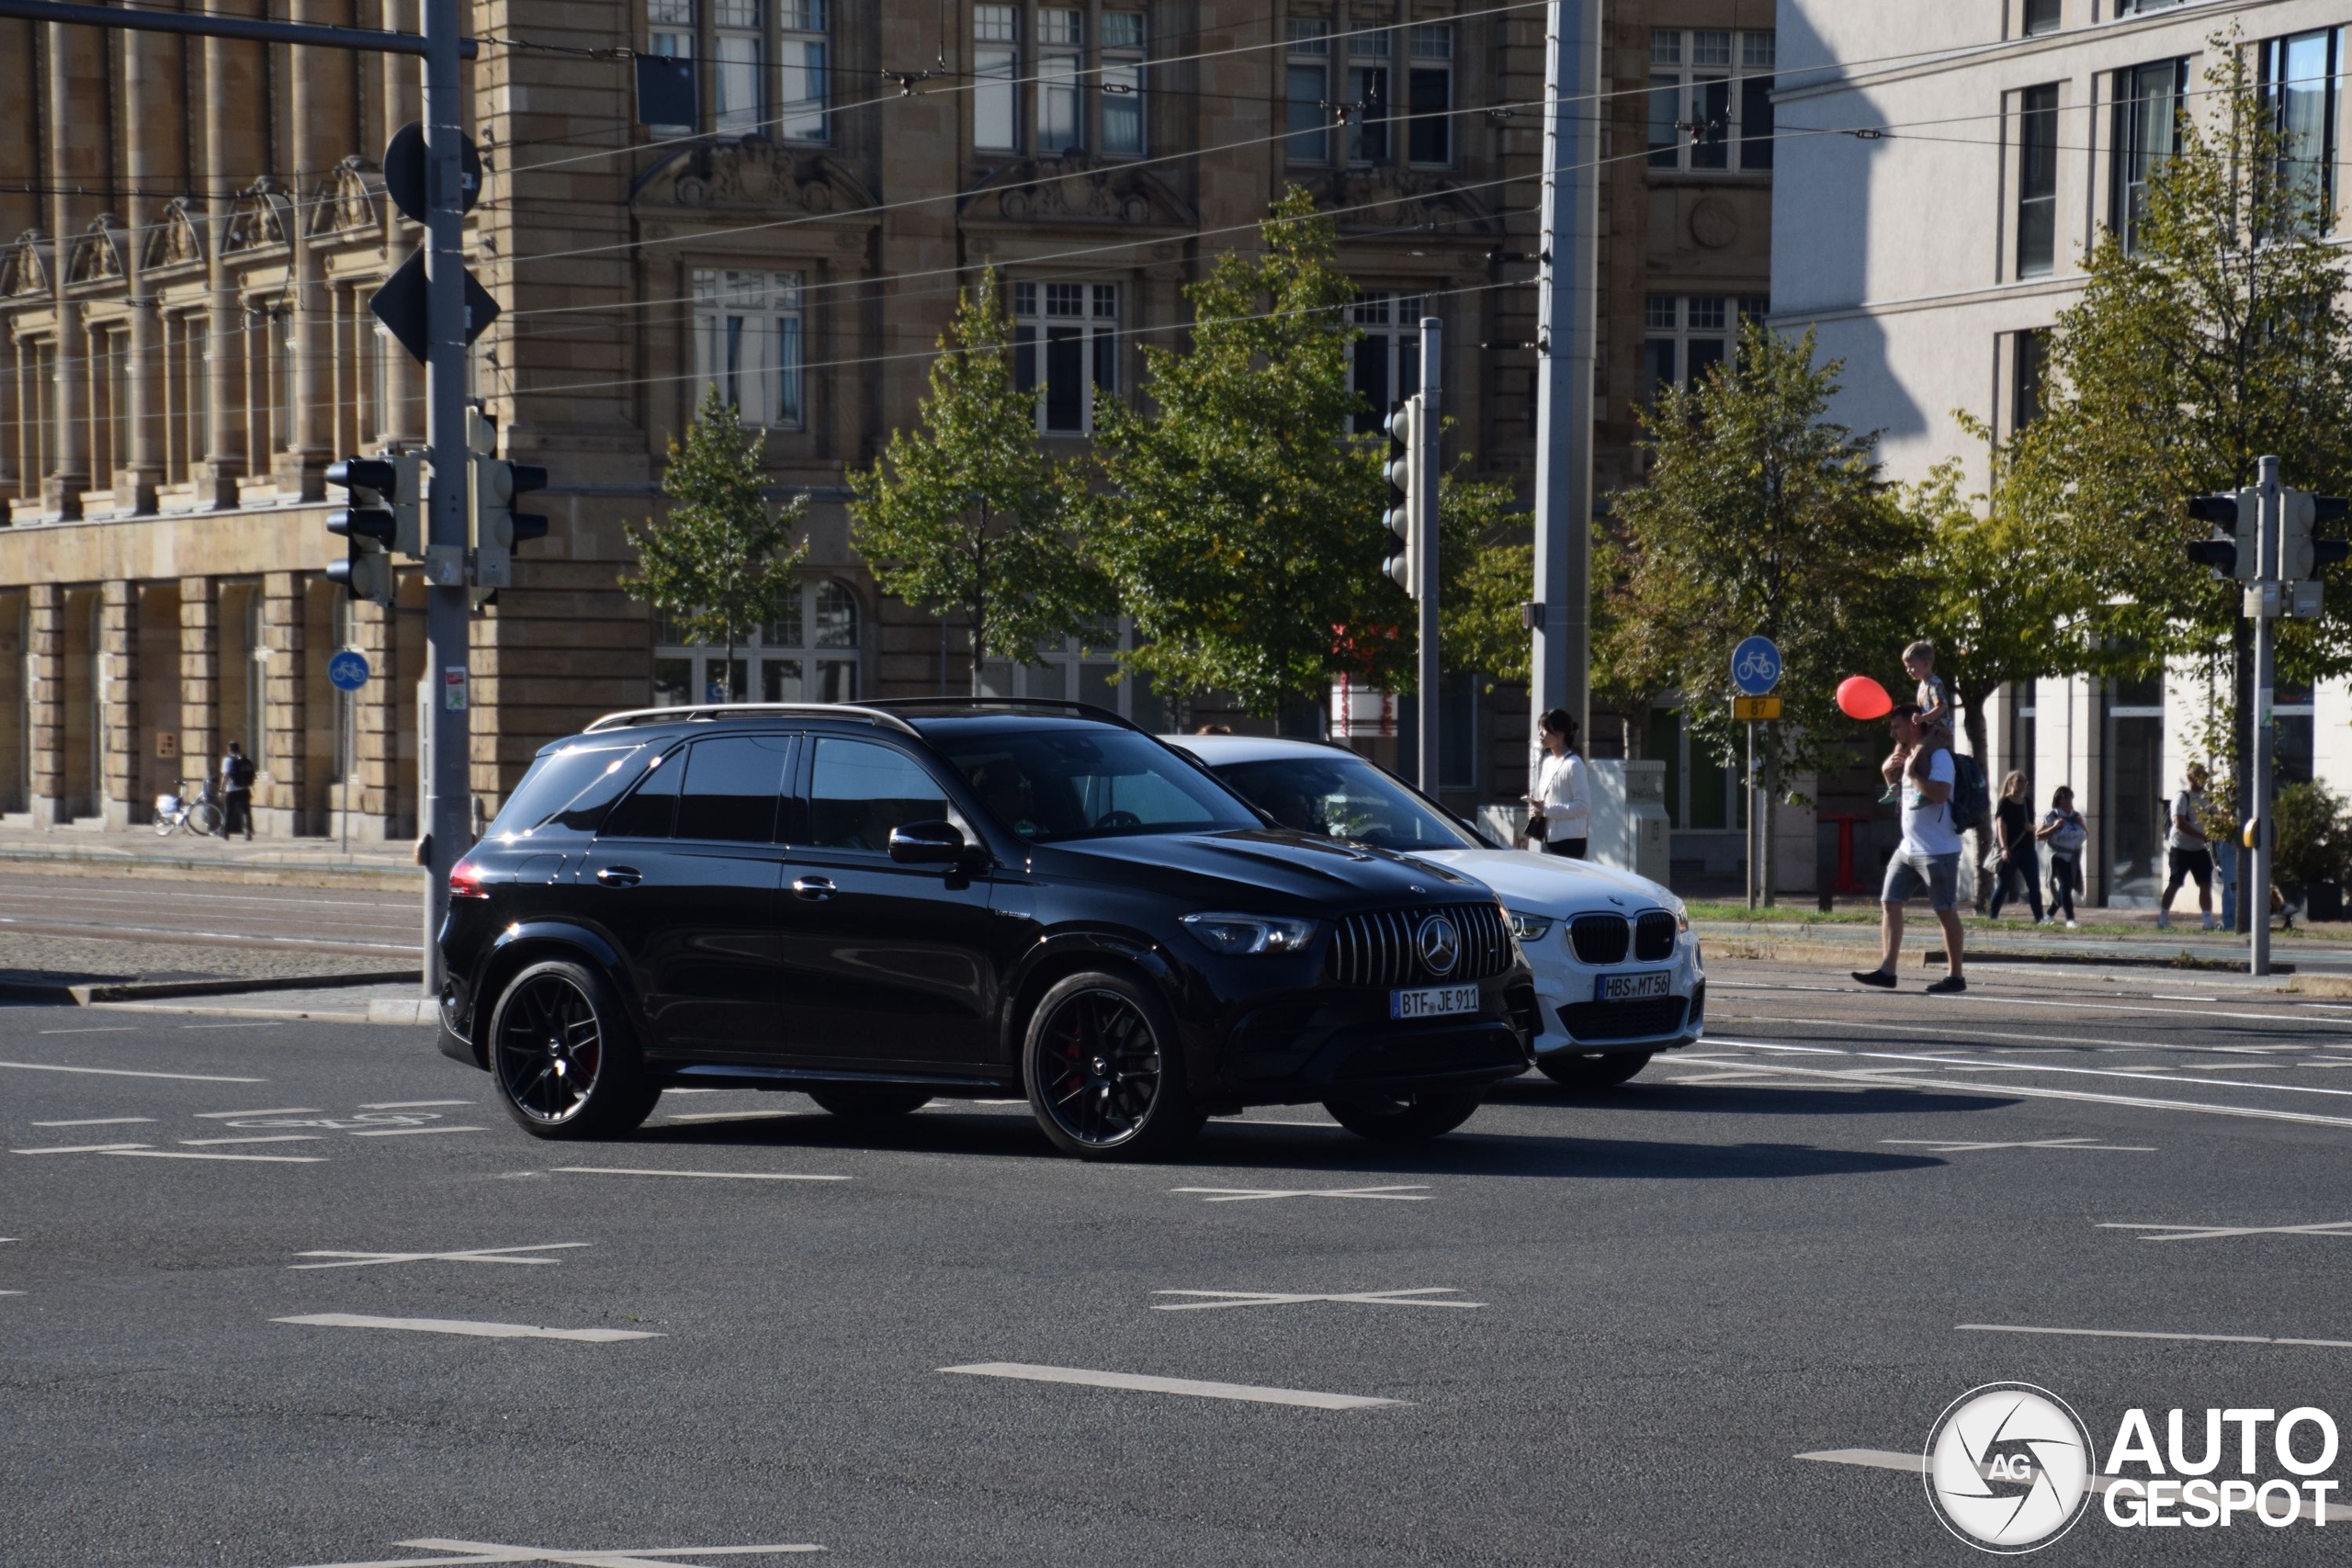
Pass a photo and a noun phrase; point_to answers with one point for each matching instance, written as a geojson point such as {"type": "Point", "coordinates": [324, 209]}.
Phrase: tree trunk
{"type": "Point", "coordinates": [1971, 713]}
{"type": "Point", "coordinates": [1766, 836]}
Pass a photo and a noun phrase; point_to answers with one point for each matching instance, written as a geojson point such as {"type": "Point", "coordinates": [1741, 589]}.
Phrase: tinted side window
{"type": "Point", "coordinates": [730, 788]}
{"type": "Point", "coordinates": [652, 808]}
{"type": "Point", "coordinates": [859, 791]}
{"type": "Point", "coordinates": [568, 788]}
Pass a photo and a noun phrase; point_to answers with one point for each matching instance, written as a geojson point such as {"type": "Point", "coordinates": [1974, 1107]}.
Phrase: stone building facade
{"type": "Point", "coordinates": [197, 226]}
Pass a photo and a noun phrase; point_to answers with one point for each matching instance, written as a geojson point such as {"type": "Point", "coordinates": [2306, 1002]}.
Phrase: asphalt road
{"type": "Point", "coordinates": [1608, 1329]}
{"type": "Point", "coordinates": [348, 922]}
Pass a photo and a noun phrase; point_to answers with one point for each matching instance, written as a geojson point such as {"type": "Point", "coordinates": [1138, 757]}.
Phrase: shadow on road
{"type": "Point", "coordinates": [1796, 1099]}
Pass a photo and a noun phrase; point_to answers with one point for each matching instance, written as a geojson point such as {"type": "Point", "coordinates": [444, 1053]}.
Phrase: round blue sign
{"type": "Point", "coordinates": [347, 671]}
{"type": "Point", "coordinates": [1754, 666]}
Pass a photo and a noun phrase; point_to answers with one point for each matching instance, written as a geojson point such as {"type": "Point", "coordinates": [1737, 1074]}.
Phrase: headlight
{"type": "Point", "coordinates": [1252, 933]}
{"type": "Point", "coordinates": [1529, 927]}
{"type": "Point", "coordinates": [1681, 920]}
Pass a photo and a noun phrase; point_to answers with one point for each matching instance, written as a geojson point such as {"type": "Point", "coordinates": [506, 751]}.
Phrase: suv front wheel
{"type": "Point", "coordinates": [566, 1063]}
{"type": "Point", "coordinates": [1104, 1070]}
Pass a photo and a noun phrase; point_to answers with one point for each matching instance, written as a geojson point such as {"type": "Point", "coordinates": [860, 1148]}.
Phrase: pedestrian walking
{"type": "Point", "coordinates": [2020, 864]}
{"type": "Point", "coordinates": [1560, 811]}
{"type": "Point", "coordinates": [1927, 860]}
{"type": "Point", "coordinates": [237, 772]}
{"type": "Point", "coordinates": [2188, 852]}
{"type": "Point", "coordinates": [1933, 698]}
{"type": "Point", "coordinates": [2063, 831]}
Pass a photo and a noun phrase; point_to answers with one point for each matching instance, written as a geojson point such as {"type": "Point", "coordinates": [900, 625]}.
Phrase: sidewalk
{"type": "Point", "coordinates": [194, 856]}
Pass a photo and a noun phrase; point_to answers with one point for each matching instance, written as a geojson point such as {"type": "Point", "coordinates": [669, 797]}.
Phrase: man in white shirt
{"type": "Point", "coordinates": [1928, 859]}
{"type": "Point", "coordinates": [2190, 852]}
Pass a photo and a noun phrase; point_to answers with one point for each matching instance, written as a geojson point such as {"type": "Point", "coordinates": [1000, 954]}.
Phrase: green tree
{"type": "Point", "coordinates": [968, 515]}
{"type": "Point", "coordinates": [721, 561]}
{"type": "Point", "coordinates": [1760, 516]}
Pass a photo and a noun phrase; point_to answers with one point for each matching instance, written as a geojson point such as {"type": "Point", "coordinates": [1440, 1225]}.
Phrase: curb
{"type": "Point", "coordinates": [1847, 955]}
{"type": "Point", "coordinates": [290, 873]}
{"type": "Point", "coordinates": [146, 991]}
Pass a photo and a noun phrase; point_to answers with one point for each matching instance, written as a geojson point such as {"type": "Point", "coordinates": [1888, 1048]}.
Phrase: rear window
{"type": "Point", "coordinates": [568, 790]}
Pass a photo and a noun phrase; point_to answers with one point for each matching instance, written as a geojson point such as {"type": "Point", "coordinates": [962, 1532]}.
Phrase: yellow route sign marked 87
{"type": "Point", "coordinates": [1752, 708]}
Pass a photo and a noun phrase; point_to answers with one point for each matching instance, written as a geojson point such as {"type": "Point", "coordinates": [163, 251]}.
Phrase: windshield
{"type": "Point", "coordinates": [1344, 797]}
{"type": "Point", "coordinates": [1052, 785]}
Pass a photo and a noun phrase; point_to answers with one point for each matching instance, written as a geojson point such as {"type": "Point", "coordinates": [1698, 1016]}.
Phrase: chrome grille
{"type": "Point", "coordinates": [1382, 949]}
{"type": "Point", "coordinates": [1599, 938]}
{"type": "Point", "coordinates": [1653, 936]}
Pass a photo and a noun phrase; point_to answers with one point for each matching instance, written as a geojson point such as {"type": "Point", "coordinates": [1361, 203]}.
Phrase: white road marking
{"type": "Point", "coordinates": [1941, 1147]}
{"type": "Point", "coordinates": [127, 1072]}
{"type": "Point", "coordinates": [231, 1115]}
{"type": "Point", "coordinates": [2147, 1334]}
{"type": "Point", "coordinates": [1413, 1192]}
{"type": "Point", "coordinates": [477, 1255]}
{"type": "Point", "coordinates": [178, 1154]}
{"type": "Point", "coordinates": [701, 1175]}
{"type": "Point", "coordinates": [459, 1325]}
{"type": "Point", "coordinates": [108, 1029]}
{"type": "Point", "coordinates": [2035, 1067]}
{"type": "Point", "coordinates": [262, 1138]}
{"type": "Point", "coordinates": [128, 1120]}
{"type": "Point", "coordinates": [413, 1104]}
{"type": "Point", "coordinates": [412, 1132]}
{"type": "Point", "coordinates": [1413, 1298]}
{"type": "Point", "coordinates": [2209, 1233]}
{"type": "Point", "coordinates": [80, 1149]}
{"type": "Point", "coordinates": [2169, 996]}
{"type": "Point", "coordinates": [239, 1025]}
{"type": "Point", "coordinates": [729, 1116]}
{"type": "Point", "coordinates": [473, 1552]}
{"type": "Point", "coordinates": [1916, 1464]}
{"type": "Point", "coordinates": [1191, 1386]}
{"type": "Point", "coordinates": [1269, 1121]}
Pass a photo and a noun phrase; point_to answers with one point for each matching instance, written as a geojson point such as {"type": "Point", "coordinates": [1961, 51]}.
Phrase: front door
{"type": "Point", "coordinates": [887, 966]}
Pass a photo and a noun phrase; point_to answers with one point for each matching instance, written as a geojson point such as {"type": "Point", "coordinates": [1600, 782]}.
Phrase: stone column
{"type": "Point", "coordinates": [200, 678]}
{"type": "Point", "coordinates": [277, 803]}
{"type": "Point", "coordinates": [401, 421]}
{"type": "Point", "coordinates": [157, 162]}
{"type": "Point", "coordinates": [375, 745]}
{"type": "Point", "coordinates": [233, 156]}
{"type": "Point", "coordinates": [76, 162]}
{"type": "Point", "coordinates": [119, 801]}
{"type": "Point", "coordinates": [47, 702]}
{"type": "Point", "coordinates": [321, 102]}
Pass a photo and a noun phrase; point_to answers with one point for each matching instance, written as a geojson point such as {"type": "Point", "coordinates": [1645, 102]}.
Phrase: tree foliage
{"type": "Point", "coordinates": [968, 513]}
{"type": "Point", "coordinates": [721, 561]}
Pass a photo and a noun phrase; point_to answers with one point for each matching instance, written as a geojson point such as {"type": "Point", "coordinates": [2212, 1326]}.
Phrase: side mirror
{"type": "Point", "coordinates": [927, 843]}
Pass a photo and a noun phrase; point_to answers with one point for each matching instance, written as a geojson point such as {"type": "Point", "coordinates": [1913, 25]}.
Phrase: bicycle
{"type": "Point", "coordinates": [201, 814]}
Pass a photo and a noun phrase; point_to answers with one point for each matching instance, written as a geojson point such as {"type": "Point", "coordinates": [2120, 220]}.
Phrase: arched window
{"type": "Point", "coordinates": [809, 654]}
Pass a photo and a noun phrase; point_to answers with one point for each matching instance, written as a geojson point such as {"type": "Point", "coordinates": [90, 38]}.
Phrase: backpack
{"type": "Point", "coordinates": [240, 773]}
{"type": "Point", "coordinates": [1972, 802]}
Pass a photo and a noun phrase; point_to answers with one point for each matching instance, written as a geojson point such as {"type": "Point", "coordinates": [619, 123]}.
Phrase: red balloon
{"type": "Point", "coordinates": [1861, 698]}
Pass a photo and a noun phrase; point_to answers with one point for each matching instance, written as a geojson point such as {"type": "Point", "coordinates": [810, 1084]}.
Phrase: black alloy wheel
{"type": "Point", "coordinates": [1592, 1069]}
{"type": "Point", "coordinates": [1412, 1117]}
{"type": "Point", "coordinates": [1105, 1081]}
{"type": "Point", "coordinates": [561, 1052]}
{"type": "Point", "coordinates": [860, 1103]}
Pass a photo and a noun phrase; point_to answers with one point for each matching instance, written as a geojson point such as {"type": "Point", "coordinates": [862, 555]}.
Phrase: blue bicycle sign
{"type": "Point", "coordinates": [1754, 666]}
{"type": "Point", "coordinates": [347, 671]}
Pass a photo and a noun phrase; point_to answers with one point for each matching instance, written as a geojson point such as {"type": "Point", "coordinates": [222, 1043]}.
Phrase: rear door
{"type": "Point", "coordinates": [886, 966]}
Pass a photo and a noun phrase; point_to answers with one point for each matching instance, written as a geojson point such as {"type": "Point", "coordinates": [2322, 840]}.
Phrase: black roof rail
{"type": "Point", "coordinates": [1014, 704]}
{"type": "Point", "coordinates": [707, 712]}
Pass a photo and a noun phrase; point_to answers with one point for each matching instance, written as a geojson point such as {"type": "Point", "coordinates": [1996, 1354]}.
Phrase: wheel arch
{"type": "Point", "coordinates": [526, 942]}
{"type": "Point", "coordinates": [1055, 959]}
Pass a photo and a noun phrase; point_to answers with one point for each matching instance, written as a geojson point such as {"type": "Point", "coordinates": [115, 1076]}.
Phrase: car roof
{"type": "Point", "coordinates": [926, 718]}
{"type": "Point", "coordinates": [1217, 750]}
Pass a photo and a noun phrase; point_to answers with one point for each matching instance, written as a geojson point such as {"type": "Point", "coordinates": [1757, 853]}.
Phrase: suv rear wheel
{"type": "Point", "coordinates": [1410, 1117]}
{"type": "Point", "coordinates": [1105, 1074]}
{"type": "Point", "coordinates": [566, 1063]}
{"type": "Point", "coordinates": [1592, 1069]}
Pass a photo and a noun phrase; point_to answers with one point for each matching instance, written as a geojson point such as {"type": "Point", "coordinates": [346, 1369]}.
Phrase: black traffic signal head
{"type": "Point", "coordinates": [2330, 552]}
{"type": "Point", "coordinates": [2221, 510]}
{"type": "Point", "coordinates": [528, 477]}
{"type": "Point", "coordinates": [356, 523]}
{"type": "Point", "coordinates": [2219, 554]}
{"type": "Point", "coordinates": [2331, 509]}
{"type": "Point", "coordinates": [377, 474]}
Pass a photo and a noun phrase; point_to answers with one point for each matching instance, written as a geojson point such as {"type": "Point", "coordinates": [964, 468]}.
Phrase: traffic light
{"type": "Point", "coordinates": [1404, 495]}
{"type": "Point", "coordinates": [2302, 555]}
{"type": "Point", "coordinates": [2232, 550]}
{"type": "Point", "coordinates": [497, 527]}
{"type": "Point", "coordinates": [368, 526]}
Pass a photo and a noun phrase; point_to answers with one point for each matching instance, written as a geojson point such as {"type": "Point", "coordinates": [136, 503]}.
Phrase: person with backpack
{"type": "Point", "coordinates": [1928, 775]}
{"type": "Point", "coordinates": [2064, 831]}
{"type": "Point", "coordinates": [237, 772]}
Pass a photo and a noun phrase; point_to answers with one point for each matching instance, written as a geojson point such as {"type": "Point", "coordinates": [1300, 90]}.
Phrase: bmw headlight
{"type": "Point", "coordinates": [1529, 927]}
{"type": "Point", "coordinates": [1681, 917]}
{"type": "Point", "coordinates": [1238, 934]}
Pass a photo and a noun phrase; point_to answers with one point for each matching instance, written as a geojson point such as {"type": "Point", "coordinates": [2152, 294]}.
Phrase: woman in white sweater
{"type": "Point", "coordinates": [1561, 808]}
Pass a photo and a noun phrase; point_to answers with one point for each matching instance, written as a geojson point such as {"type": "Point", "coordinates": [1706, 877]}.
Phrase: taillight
{"type": "Point", "coordinates": [465, 881]}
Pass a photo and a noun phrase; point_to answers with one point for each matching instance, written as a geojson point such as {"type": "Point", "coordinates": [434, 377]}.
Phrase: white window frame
{"type": "Point", "coordinates": [1060, 98]}
{"type": "Point", "coordinates": [1390, 323]}
{"type": "Point", "coordinates": [811, 653]}
{"type": "Point", "coordinates": [1047, 311]}
{"type": "Point", "coordinates": [1307, 64]}
{"type": "Point", "coordinates": [1686, 65]}
{"type": "Point", "coordinates": [1671, 324]}
{"type": "Point", "coordinates": [669, 33]}
{"type": "Point", "coordinates": [750, 339]}
{"type": "Point", "coordinates": [803, 87]}
{"type": "Point", "coordinates": [1078, 670]}
{"type": "Point", "coordinates": [1371, 92]}
{"type": "Point", "coordinates": [1125, 47]}
{"type": "Point", "coordinates": [996, 72]}
{"type": "Point", "coordinates": [738, 50]}
{"type": "Point", "coordinates": [1429, 54]}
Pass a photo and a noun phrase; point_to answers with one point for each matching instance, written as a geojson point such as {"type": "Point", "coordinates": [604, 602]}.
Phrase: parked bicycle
{"type": "Point", "coordinates": [199, 813]}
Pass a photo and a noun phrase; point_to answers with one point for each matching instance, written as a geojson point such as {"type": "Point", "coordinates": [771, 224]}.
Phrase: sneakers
{"type": "Point", "coordinates": [1891, 797]}
{"type": "Point", "coordinates": [2212, 924]}
{"type": "Point", "coordinates": [1878, 977]}
{"type": "Point", "coordinates": [1951, 985]}
{"type": "Point", "coordinates": [2071, 924]}
{"type": "Point", "coordinates": [2164, 920]}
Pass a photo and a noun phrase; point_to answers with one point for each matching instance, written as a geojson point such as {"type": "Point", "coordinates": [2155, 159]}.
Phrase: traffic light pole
{"type": "Point", "coordinates": [447, 822]}
{"type": "Point", "coordinates": [2267, 594]}
{"type": "Point", "coordinates": [1426, 428]}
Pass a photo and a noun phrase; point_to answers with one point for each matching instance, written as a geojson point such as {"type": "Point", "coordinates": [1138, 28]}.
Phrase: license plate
{"type": "Point", "coordinates": [1438, 1001]}
{"type": "Point", "coordinates": [1632, 987]}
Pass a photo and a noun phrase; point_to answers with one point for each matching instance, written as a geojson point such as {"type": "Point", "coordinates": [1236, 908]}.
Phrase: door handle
{"type": "Point", "coordinates": [618, 876]}
{"type": "Point", "coordinates": [816, 889]}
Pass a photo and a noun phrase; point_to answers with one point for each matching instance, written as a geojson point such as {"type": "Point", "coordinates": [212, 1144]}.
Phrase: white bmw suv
{"type": "Point", "coordinates": [1617, 972]}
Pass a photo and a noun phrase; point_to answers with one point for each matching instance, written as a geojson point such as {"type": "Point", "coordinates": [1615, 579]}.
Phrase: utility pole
{"type": "Point", "coordinates": [2264, 601]}
{"type": "Point", "coordinates": [1426, 469]}
{"type": "Point", "coordinates": [448, 823]}
{"type": "Point", "coordinates": [1569, 263]}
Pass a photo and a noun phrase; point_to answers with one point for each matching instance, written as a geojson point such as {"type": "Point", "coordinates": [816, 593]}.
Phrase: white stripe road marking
{"type": "Point", "coordinates": [2209, 1233]}
{"type": "Point", "coordinates": [2007, 1000]}
{"type": "Point", "coordinates": [274, 1110]}
{"type": "Point", "coordinates": [266, 1138]}
{"type": "Point", "coordinates": [731, 1116]}
{"type": "Point", "coordinates": [1916, 1464]}
{"type": "Point", "coordinates": [81, 1149]}
{"type": "Point", "coordinates": [1412, 1298]}
{"type": "Point", "coordinates": [239, 1025]}
{"type": "Point", "coordinates": [2049, 1067]}
{"type": "Point", "coordinates": [1191, 1386]}
{"type": "Point", "coordinates": [412, 1132]}
{"type": "Point", "coordinates": [1942, 1147]}
{"type": "Point", "coordinates": [108, 1029]}
{"type": "Point", "coordinates": [475, 1552]}
{"type": "Point", "coordinates": [477, 1255]}
{"type": "Point", "coordinates": [1269, 1121]}
{"type": "Point", "coordinates": [121, 1121]}
{"type": "Point", "coordinates": [182, 1154]}
{"type": "Point", "coordinates": [2147, 1334]}
{"type": "Point", "coordinates": [1414, 1193]}
{"type": "Point", "coordinates": [413, 1104]}
{"type": "Point", "coordinates": [702, 1175]}
{"type": "Point", "coordinates": [126, 1073]}
{"type": "Point", "coordinates": [459, 1325]}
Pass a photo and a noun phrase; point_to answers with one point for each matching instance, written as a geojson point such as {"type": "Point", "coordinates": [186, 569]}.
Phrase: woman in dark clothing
{"type": "Point", "coordinates": [2013, 825]}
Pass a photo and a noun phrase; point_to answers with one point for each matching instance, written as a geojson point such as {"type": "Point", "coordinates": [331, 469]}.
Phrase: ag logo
{"type": "Point", "coordinates": [2008, 1467]}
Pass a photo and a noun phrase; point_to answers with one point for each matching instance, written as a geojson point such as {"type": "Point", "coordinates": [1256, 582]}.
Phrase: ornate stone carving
{"type": "Point", "coordinates": [96, 251]}
{"type": "Point", "coordinates": [1399, 200]}
{"type": "Point", "coordinates": [345, 200]}
{"type": "Point", "coordinates": [176, 238]}
{"type": "Point", "coordinates": [755, 175]}
{"type": "Point", "coordinates": [1713, 223]}
{"type": "Point", "coordinates": [258, 219]}
{"type": "Point", "coordinates": [1077, 188]}
{"type": "Point", "coordinates": [24, 269]}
